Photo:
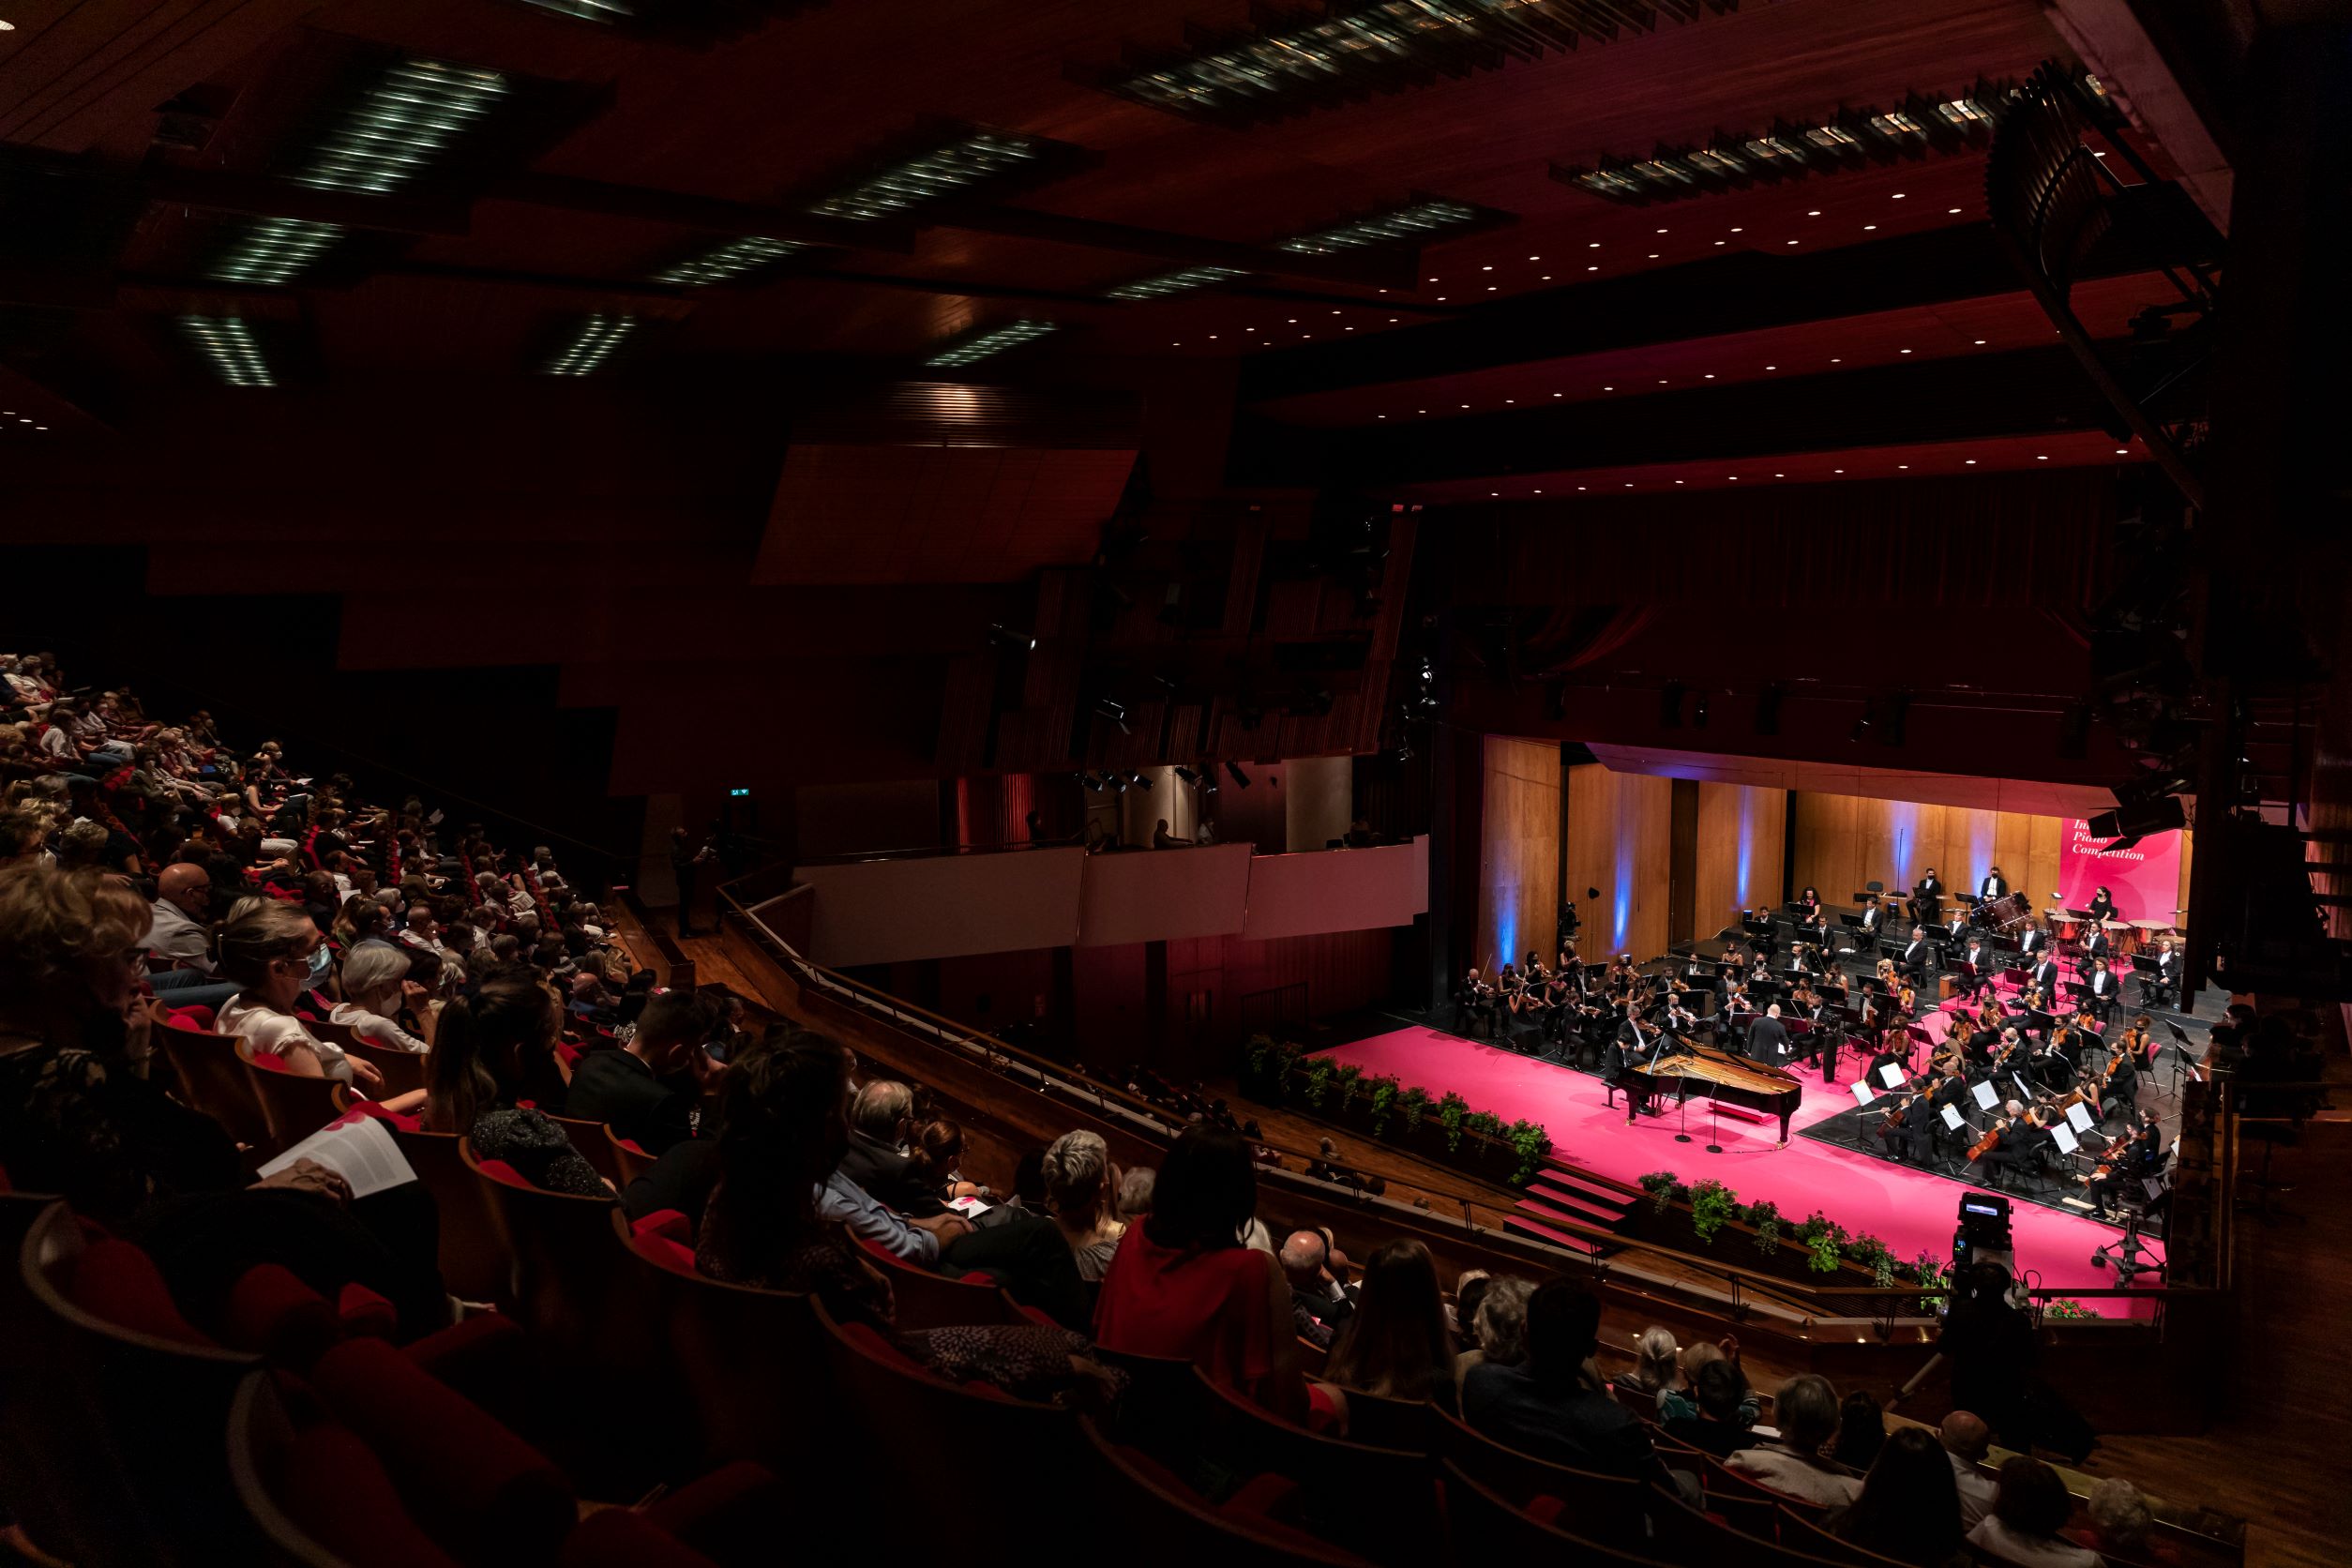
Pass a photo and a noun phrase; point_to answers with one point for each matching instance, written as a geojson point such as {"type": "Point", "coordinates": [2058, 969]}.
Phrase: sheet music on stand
{"type": "Point", "coordinates": [2064, 1138]}
{"type": "Point", "coordinates": [1862, 1092]}
{"type": "Point", "coordinates": [2078, 1117]}
{"type": "Point", "coordinates": [1891, 1076]}
{"type": "Point", "coordinates": [1953, 1119]}
{"type": "Point", "coordinates": [2024, 1091]}
{"type": "Point", "coordinates": [1985, 1097]}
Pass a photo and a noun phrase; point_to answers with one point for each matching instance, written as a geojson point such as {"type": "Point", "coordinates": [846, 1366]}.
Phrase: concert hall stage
{"type": "Point", "coordinates": [1912, 1211]}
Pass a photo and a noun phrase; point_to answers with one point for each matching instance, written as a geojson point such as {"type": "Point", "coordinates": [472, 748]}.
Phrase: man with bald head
{"type": "Point", "coordinates": [183, 902]}
{"type": "Point", "coordinates": [1966, 1440]}
{"type": "Point", "coordinates": [1319, 1304]}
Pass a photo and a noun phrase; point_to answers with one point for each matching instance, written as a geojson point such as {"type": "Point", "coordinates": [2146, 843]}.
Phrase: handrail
{"type": "Point", "coordinates": [1083, 1087]}
{"type": "Point", "coordinates": [1080, 1088]}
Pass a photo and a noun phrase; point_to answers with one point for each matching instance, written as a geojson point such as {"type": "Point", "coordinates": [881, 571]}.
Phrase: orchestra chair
{"type": "Point", "coordinates": [122, 1389]}
{"type": "Point", "coordinates": [1487, 1527]}
{"type": "Point", "coordinates": [473, 1260]}
{"type": "Point", "coordinates": [1608, 1506]}
{"type": "Point", "coordinates": [293, 1106]}
{"type": "Point", "coordinates": [1163, 1411]}
{"type": "Point", "coordinates": [923, 1300]}
{"type": "Point", "coordinates": [1142, 1501]}
{"type": "Point", "coordinates": [1737, 1537]}
{"type": "Point", "coordinates": [1320, 1482]}
{"type": "Point", "coordinates": [1410, 1424]}
{"type": "Point", "coordinates": [212, 1077]}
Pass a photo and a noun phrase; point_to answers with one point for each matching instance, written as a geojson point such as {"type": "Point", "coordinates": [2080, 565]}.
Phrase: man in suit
{"type": "Point", "coordinates": [2033, 940]}
{"type": "Point", "coordinates": [1768, 1039]}
{"type": "Point", "coordinates": [2050, 1068]}
{"type": "Point", "coordinates": [1956, 928]}
{"type": "Point", "coordinates": [1994, 885]}
{"type": "Point", "coordinates": [2045, 974]}
{"type": "Point", "coordinates": [2104, 989]}
{"type": "Point", "coordinates": [1919, 954]}
{"type": "Point", "coordinates": [2162, 986]}
{"type": "Point", "coordinates": [1979, 959]}
{"type": "Point", "coordinates": [2097, 943]}
{"type": "Point", "coordinates": [1927, 900]}
{"type": "Point", "coordinates": [1915, 1134]}
{"type": "Point", "coordinates": [2122, 1093]}
{"type": "Point", "coordinates": [1873, 917]}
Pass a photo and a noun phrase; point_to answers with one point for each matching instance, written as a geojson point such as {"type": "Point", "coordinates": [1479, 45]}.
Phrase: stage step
{"type": "Point", "coordinates": [1561, 1173]}
{"type": "Point", "coordinates": [1585, 1204]}
{"type": "Point", "coordinates": [1525, 1225]}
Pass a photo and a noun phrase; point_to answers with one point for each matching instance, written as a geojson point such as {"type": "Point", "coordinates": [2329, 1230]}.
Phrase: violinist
{"type": "Point", "coordinates": [2009, 1056]}
{"type": "Point", "coordinates": [1907, 1001]}
{"type": "Point", "coordinates": [2138, 1159]}
{"type": "Point", "coordinates": [1476, 1003]}
{"type": "Point", "coordinates": [1618, 982]}
{"type": "Point", "coordinates": [1885, 971]}
{"type": "Point", "coordinates": [2051, 1066]}
{"type": "Point", "coordinates": [1678, 1017]}
{"type": "Point", "coordinates": [2120, 1084]}
{"type": "Point", "coordinates": [2135, 1039]}
{"type": "Point", "coordinates": [1953, 1053]}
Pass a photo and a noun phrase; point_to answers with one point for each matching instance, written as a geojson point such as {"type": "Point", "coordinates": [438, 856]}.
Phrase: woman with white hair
{"type": "Point", "coordinates": [376, 988]}
{"type": "Point", "coordinates": [1081, 1194]}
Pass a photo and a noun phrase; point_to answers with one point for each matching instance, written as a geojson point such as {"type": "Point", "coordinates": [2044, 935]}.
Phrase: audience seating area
{"type": "Point", "coordinates": [589, 1396]}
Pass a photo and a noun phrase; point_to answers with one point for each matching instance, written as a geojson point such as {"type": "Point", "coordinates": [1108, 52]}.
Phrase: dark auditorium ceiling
{"type": "Point", "coordinates": [651, 302]}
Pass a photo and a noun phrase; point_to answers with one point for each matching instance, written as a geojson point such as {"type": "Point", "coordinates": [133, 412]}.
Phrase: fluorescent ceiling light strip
{"type": "Point", "coordinates": [731, 260]}
{"type": "Point", "coordinates": [229, 344]}
{"type": "Point", "coordinates": [1405, 223]}
{"type": "Point", "coordinates": [966, 163]}
{"type": "Point", "coordinates": [1166, 283]}
{"type": "Point", "coordinates": [598, 338]}
{"type": "Point", "coordinates": [587, 10]}
{"type": "Point", "coordinates": [1011, 335]}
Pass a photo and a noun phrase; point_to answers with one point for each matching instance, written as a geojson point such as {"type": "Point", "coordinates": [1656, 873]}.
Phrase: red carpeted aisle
{"type": "Point", "coordinates": [1911, 1211]}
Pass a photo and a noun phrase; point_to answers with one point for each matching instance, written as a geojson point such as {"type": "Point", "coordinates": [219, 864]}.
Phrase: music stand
{"type": "Point", "coordinates": [2180, 1057]}
{"type": "Point", "coordinates": [1714, 1133]}
{"type": "Point", "coordinates": [1862, 1094]}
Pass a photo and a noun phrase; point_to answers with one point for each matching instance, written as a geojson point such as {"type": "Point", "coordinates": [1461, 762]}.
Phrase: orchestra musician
{"type": "Point", "coordinates": [2119, 1085]}
{"type": "Point", "coordinates": [2032, 939]}
{"type": "Point", "coordinates": [2161, 988]}
{"type": "Point", "coordinates": [2139, 1158]}
{"type": "Point", "coordinates": [1994, 886]}
{"type": "Point", "coordinates": [1979, 959]}
{"type": "Point", "coordinates": [1914, 1133]}
{"type": "Point", "coordinates": [2052, 1067]}
{"type": "Point", "coordinates": [1956, 929]}
{"type": "Point", "coordinates": [1919, 954]}
{"type": "Point", "coordinates": [2104, 989]}
{"type": "Point", "coordinates": [2043, 975]}
{"type": "Point", "coordinates": [2136, 1039]}
{"type": "Point", "coordinates": [2101, 905]}
{"type": "Point", "coordinates": [1476, 1001]}
{"type": "Point", "coordinates": [1927, 900]}
{"type": "Point", "coordinates": [2097, 943]}
{"type": "Point", "coordinates": [1809, 902]}
{"type": "Point", "coordinates": [1906, 1002]}
{"type": "Point", "coordinates": [1873, 917]}
{"type": "Point", "coordinates": [1814, 927]}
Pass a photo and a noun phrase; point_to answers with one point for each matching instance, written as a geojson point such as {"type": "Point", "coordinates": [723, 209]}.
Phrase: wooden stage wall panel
{"type": "Point", "coordinates": [1518, 880]}
{"type": "Point", "coordinates": [1740, 842]}
{"type": "Point", "coordinates": [1621, 840]}
{"type": "Point", "coordinates": [1844, 841]}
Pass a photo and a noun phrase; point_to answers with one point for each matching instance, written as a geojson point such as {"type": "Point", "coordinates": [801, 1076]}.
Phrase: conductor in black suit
{"type": "Point", "coordinates": [1768, 1039]}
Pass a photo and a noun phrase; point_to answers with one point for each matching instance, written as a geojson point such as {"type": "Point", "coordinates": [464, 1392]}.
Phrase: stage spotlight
{"type": "Point", "coordinates": [1209, 783]}
{"type": "Point", "coordinates": [1116, 782]}
{"type": "Point", "coordinates": [1094, 785]}
{"type": "Point", "coordinates": [1405, 752]}
{"type": "Point", "coordinates": [1004, 639]}
{"type": "Point", "coordinates": [1233, 771]}
{"type": "Point", "coordinates": [1138, 781]}
{"type": "Point", "coordinates": [1186, 774]}
{"type": "Point", "coordinates": [1111, 708]}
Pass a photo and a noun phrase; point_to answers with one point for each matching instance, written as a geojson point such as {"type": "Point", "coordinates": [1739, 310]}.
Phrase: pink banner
{"type": "Point", "coordinates": [2143, 880]}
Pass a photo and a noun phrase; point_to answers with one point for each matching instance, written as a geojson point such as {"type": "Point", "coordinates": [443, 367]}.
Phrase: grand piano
{"type": "Point", "coordinates": [1685, 1067]}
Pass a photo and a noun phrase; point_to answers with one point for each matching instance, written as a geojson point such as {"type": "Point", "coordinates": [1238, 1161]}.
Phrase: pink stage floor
{"type": "Point", "coordinates": [1911, 1211]}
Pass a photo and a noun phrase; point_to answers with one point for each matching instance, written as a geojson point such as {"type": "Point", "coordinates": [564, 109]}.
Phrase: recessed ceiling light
{"type": "Point", "coordinates": [1629, 484]}
{"type": "Point", "coordinates": [1539, 490]}
{"type": "Point", "coordinates": [1836, 361]}
{"type": "Point", "coordinates": [1593, 269]}
{"type": "Point", "coordinates": [1485, 269]}
{"type": "Point", "coordinates": [1969, 461]}
{"type": "Point", "coordinates": [1677, 481]}
{"type": "Point", "coordinates": [1980, 342]}
{"type": "Point", "coordinates": [1901, 466]}
{"type": "Point", "coordinates": [1734, 228]}
{"type": "Point", "coordinates": [1581, 487]}
{"type": "Point", "coordinates": [1780, 476]}
{"type": "Point", "coordinates": [1904, 351]}
{"type": "Point", "coordinates": [1708, 376]}
{"type": "Point", "coordinates": [1608, 388]}
{"type": "Point", "coordinates": [1735, 478]}
{"type": "Point", "coordinates": [2041, 458]}
{"type": "Point", "coordinates": [1723, 242]}
{"type": "Point", "coordinates": [1662, 230]}
{"type": "Point", "coordinates": [1952, 209]}
{"type": "Point", "coordinates": [1772, 367]}
{"type": "Point", "coordinates": [1792, 242]}
{"type": "Point", "coordinates": [2123, 451]}
{"type": "Point", "coordinates": [1867, 226]}
{"type": "Point", "coordinates": [1815, 212]}
{"type": "Point", "coordinates": [1653, 255]}
{"type": "Point", "coordinates": [1555, 394]}
{"type": "Point", "coordinates": [1898, 196]}
{"type": "Point", "coordinates": [1837, 471]}
{"type": "Point", "coordinates": [229, 345]}
{"type": "Point", "coordinates": [1592, 245]}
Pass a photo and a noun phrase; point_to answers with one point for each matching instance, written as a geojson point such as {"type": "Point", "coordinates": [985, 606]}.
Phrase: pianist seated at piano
{"type": "Point", "coordinates": [1688, 1070]}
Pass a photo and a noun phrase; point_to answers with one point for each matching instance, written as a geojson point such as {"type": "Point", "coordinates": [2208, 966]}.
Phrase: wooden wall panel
{"type": "Point", "coordinates": [1519, 849]}
{"type": "Point", "coordinates": [1620, 841]}
{"type": "Point", "coordinates": [1740, 840]}
{"type": "Point", "coordinates": [1843, 842]}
